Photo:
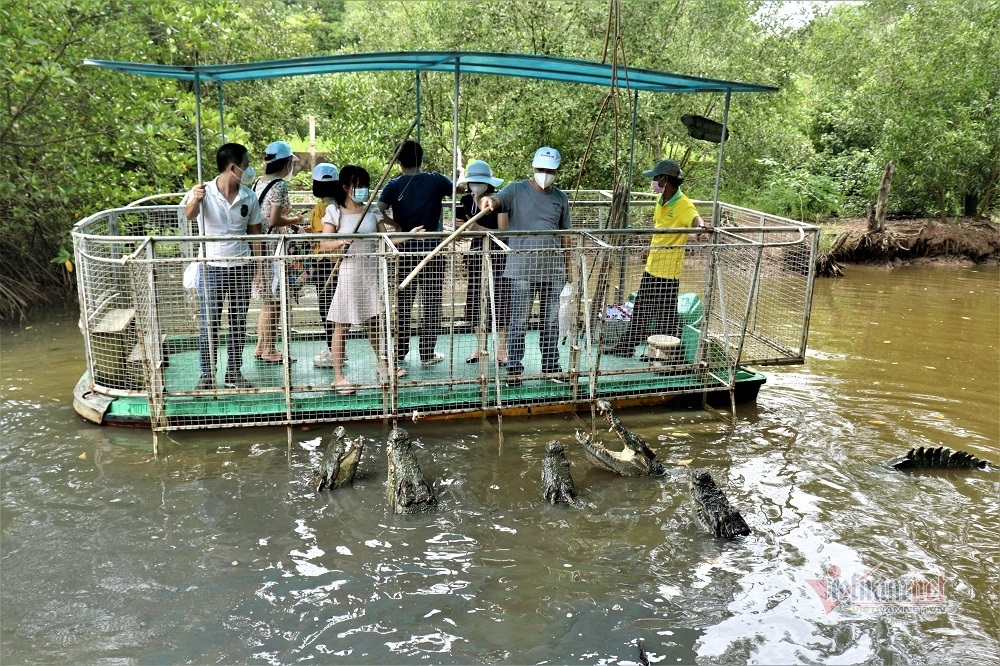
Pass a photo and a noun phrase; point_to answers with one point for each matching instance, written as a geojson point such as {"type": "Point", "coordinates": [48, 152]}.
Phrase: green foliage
{"type": "Point", "coordinates": [916, 82]}
{"type": "Point", "coordinates": [797, 192]}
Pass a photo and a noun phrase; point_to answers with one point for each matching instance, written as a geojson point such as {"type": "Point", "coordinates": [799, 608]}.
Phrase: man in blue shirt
{"type": "Point", "coordinates": [415, 201]}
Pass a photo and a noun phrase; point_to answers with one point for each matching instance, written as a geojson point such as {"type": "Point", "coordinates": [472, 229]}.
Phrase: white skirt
{"type": "Point", "coordinates": [356, 299]}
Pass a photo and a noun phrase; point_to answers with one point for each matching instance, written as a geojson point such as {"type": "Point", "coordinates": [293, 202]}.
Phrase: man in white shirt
{"type": "Point", "coordinates": [228, 208]}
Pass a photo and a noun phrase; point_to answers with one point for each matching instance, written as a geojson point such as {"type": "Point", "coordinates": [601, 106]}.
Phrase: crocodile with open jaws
{"type": "Point", "coordinates": [635, 459]}
{"type": "Point", "coordinates": [713, 509]}
{"type": "Point", "coordinates": [557, 484]}
{"type": "Point", "coordinates": [939, 458]}
{"type": "Point", "coordinates": [340, 462]}
{"type": "Point", "coordinates": [405, 488]}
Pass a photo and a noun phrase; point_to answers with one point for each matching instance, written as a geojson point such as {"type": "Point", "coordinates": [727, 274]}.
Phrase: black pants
{"type": "Point", "coordinates": [322, 270]}
{"type": "Point", "coordinates": [220, 283]}
{"type": "Point", "coordinates": [655, 311]}
{"type": "Point", "coordinates": [474, 263]}
{"type": "Point", "coordinates": [429, 282]}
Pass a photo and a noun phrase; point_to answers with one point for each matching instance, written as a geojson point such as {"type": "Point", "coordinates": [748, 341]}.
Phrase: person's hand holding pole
{"type": "Point", "coordinates": [489, 203]}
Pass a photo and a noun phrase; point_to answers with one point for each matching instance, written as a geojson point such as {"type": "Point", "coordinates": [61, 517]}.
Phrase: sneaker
{"type": "Point", "coordinates": [433, 360]}
{"type": "Point", "coordinates": [205, 383]}
{"type": "Point", "coordinates": [324, 360]}
{"type": "Point", "coordinates": [619, 351]}
{"type": "Point", "coordinates": [236, 380]}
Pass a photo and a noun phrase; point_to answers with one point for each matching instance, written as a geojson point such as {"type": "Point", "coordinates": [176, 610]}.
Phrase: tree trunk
{"type": "Point", "coordinates": [971, 204]}
{"type": "Point", "coordinates": [882, 203]}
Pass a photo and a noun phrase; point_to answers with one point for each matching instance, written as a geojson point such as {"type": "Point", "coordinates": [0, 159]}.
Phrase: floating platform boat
{"type": "Point", "coordinates": [746, 290]}
{"type": "Point", "coordinates": [745, 303]}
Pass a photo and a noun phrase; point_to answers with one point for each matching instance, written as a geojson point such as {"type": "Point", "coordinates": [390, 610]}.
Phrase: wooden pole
{"type": "Point", "coordinates": [381, 182]}
{"type": "Point", "coordinates": [447, 241]}
{"type": "Point", "coordinates": [388, 169]}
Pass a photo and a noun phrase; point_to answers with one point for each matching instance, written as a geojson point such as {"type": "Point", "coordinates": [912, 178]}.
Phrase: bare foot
{"type": "Point", "coordinates": [344, 387]}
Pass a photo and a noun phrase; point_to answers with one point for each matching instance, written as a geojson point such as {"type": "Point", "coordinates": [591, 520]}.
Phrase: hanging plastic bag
{"type": "Point", "coordinates": [192, 275]}
{"type": "Point", "coordinates": [565, 307]}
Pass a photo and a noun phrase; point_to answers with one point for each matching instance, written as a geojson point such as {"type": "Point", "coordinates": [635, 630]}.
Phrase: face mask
{"type": "Point", "coordinates": [249, 175]}
{"type": "Point", "coordinates": [544, 179]}
{"type": "Point", "coordinates": [360, 194]}
{"type": "Point", "coordinates": [478, 190]}
{"type": "Point", "coordinates": [657, 187]}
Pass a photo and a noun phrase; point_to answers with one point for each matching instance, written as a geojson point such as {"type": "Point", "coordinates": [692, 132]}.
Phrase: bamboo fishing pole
{"type": "Point", "coordinates": [381, 182]}
{"type": "Point", "coordinates": [447, 241]}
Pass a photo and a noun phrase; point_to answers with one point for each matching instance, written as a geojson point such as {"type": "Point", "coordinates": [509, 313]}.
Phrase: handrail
{"type": "Point", "coordinates": [727, 231]}
{"type": "Point", "coordinates": [143, 200]}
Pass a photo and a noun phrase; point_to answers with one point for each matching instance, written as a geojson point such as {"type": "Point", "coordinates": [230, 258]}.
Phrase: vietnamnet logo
{"type": "Point", "coordinates": [873, 593]}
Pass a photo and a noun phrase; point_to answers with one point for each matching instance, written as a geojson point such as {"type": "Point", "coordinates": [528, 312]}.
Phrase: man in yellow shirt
{"type": "Point", "coordinates": [657, 297]}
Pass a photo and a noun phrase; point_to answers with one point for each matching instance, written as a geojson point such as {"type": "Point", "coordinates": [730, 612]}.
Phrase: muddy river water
{"type": "Point", "coordinates": [218, 551]}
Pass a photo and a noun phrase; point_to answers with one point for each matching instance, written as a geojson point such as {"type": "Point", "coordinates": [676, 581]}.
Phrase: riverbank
{"type": "Point", "coordinates": [916, 241]}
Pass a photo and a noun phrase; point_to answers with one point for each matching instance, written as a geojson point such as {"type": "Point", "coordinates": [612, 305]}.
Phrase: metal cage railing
{"type": "Point", "coordinates": [746, 291]}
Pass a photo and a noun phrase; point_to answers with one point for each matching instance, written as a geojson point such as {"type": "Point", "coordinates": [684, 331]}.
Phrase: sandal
{"type": "Point", "coordinates": [476, 355]}
{"type": "Point", "coordinates": [347, 388]}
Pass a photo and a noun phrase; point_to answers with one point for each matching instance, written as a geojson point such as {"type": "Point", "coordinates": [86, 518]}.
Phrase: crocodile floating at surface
{"type": "Point", "coordinates": [405, 488]}
{"type": "Point", "coordinates": [557, 484]}
{"type": "Point", "coordinates": [340, 462]}
{"type": "Point", "coordinates": [939, 458]}
{"type": "Point", "coordinates": [635, 459]}
{"type": "Point", "coordinates": [713, 509]}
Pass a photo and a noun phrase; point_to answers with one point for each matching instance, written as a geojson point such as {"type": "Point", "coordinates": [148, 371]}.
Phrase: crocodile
{"type": "Point", "coordinates": [635, 458]}
{"type": "Point", "coordinates": [938, 458]}
{"type": "Point", "coordinates": [557, 484]}
{"type": "Point", "coordinates": [713, 509]}
{"type": "Point", "coordinates": [405, 488]}
{"type": "Point", "coordinates": [340, 462]}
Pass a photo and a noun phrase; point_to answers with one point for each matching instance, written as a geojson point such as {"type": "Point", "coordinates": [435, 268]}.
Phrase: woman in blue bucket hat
{"type": "Point", "coordinates": [479, 182]}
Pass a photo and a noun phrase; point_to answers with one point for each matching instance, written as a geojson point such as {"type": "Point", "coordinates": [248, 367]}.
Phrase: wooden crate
{"type": "Point", "coordinates": [112, 340]}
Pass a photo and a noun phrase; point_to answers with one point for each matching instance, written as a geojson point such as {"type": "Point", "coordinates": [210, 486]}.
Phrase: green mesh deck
{"type": "Point", "coordinates": [458, 387]}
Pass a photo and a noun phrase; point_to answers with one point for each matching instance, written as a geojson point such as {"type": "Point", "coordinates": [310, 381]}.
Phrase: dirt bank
{"type": "Point", "coordinates": [959, 242]}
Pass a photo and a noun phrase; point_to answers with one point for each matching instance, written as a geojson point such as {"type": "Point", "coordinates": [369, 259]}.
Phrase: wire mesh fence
{"type": "Point", "coordinates": [299, 334]}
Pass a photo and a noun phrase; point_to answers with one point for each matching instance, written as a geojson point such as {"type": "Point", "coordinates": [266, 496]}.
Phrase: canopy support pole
{"type": "Point", "coordinates": [716, 211]}
{"type": "Point", "coordinates": [418, 105]}
{"type": "Point", "coordinates": [222, 115]}
{"type": "Point", "coordinates": [454, 148]}
{"type": "Point", "coordinates": [197, 121]}
{"type": "Point", "coordinates": [203, 282]}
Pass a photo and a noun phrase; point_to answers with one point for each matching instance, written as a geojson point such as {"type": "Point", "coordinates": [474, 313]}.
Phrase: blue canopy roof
{"type": "Point", "coordinates": [567, 70]}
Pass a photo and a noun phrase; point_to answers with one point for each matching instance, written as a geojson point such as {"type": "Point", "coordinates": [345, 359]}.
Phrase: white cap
{"type": "Point", "coordinates": [546, 158]}
{"type": "Point", "coordinates": [325, 173]}
{"type": "Point", "coordinates": [479, 171]}
{"type": "Point", "coordinates": [278, 150]}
